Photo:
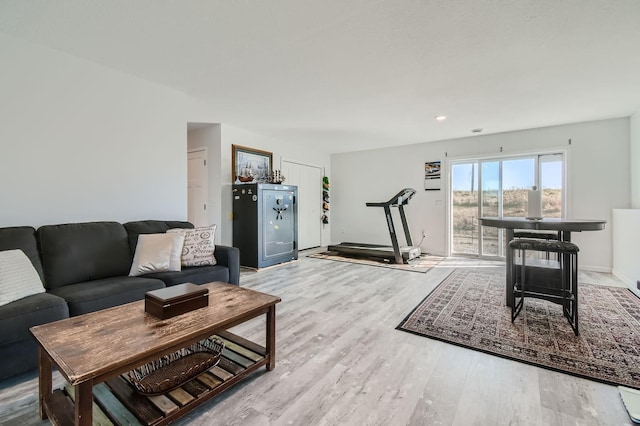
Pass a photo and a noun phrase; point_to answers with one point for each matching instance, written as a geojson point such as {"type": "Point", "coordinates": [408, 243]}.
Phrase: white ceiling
{"type": "Point", "coordinates": [358, 74]}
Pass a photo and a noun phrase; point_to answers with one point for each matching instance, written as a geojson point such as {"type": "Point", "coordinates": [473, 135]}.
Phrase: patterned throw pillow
{"type": "Point", "coordinates": [18, 277]}
{"type": "Point", "coordinates": [199, 245]}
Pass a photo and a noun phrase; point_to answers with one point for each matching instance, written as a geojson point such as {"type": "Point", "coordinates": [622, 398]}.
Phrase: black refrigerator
{"type": "Point", "coordinates": [265, 223]}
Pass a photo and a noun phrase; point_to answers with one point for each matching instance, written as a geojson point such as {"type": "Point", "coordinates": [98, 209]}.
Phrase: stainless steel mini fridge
{"type": "Point", "coordinates": [265, 223]}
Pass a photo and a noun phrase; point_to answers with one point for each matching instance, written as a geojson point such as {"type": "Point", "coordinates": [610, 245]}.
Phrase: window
{"type": "Point", "coordinates": [498, 187]}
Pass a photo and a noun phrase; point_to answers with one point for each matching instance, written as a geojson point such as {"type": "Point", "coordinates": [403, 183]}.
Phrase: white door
{"type": "Point", "coordinates": [198, 176]}
{"type": "Point", "coordinates": [308, 179]}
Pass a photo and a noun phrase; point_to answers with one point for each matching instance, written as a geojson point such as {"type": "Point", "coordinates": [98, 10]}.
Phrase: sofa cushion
{"type": "Point", "coordinates": [150, 227]}
{"type": "Point", "coordinates": [18, 357]}
{"type": "Point", "coordinates": [23, 238]}
{"type": "Point", "coordinates": [18, 277]}
{"type": "Point", "coordinates": [18, 350]}
{"type": "Point", "coordinates": [17, 317]}
{"type": "Point", "coordinates": [101, 294]}
{"type": "Point", "coordinates": [79, 252]}
{"type": "Point", "coordinates": [195, 275]}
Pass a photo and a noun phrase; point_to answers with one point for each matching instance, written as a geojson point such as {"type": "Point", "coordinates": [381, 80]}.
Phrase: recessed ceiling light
{"type": "Point", "coordinates": [440, 117]}
{"type": "Point", "coordinates": [478, 130]}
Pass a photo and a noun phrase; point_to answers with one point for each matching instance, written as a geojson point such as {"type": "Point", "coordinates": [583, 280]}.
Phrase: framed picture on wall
{"type": "Point", "coordinates": [250, 165]}
{"type": "Point", "coordinates": [432, 176]}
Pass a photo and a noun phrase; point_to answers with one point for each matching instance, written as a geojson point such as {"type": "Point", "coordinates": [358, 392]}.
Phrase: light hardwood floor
{"type": "Point", "coordinates": [340, 361]}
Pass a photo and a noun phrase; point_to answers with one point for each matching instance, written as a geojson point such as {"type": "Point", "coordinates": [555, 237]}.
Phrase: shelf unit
{"type": "Point", "coordinates": [117, 402]}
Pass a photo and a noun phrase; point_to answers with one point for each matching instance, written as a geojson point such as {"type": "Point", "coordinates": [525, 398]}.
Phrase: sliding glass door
{"type": "Point", "coordinates": [498, 187]}
{"type": "Point", "coordinates": [464, 211]}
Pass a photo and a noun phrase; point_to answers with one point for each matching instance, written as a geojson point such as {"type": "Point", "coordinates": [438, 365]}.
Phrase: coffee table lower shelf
{"type": "Point", "coordinates": [117, 402]}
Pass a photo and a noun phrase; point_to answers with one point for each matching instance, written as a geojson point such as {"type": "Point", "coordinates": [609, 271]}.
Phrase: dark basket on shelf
{"type": "Point", "coordinates": [175, 369]}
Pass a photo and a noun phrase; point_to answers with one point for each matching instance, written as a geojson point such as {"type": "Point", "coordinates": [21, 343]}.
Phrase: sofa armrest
{"type": "Point", "coordinates": [229, 257]}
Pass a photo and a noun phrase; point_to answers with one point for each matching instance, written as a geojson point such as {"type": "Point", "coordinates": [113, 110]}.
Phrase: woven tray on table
{"type": "Point", "coordinates": [175, 369]}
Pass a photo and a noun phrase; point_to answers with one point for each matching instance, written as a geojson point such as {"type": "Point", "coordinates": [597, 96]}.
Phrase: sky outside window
{"type": "Point", "coordinates": [517, 174]}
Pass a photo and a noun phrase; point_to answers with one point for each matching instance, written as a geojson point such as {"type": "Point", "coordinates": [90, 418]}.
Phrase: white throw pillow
{"type": "Point", "coordinates": [157, 253]}
{"type": "Point", "coordinates": [18, 277]}
{"type": "Point", "coordinates": [199, 245]}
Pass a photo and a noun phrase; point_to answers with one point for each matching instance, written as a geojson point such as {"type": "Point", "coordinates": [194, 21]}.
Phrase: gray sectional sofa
{"type": "Point", "coordinates": [84, 268]}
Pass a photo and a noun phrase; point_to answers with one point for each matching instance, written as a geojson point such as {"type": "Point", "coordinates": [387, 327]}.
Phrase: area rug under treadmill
{"type": "Point", "coordinates": [467, 309]}
{"type": "Point", "coordinates": [422, 264]}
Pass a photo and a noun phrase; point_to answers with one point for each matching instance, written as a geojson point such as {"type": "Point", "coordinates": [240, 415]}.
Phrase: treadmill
{"type": "Point", "coordinates": [393, 253]}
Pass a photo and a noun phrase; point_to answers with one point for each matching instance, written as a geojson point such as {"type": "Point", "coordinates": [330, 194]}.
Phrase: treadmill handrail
{"type": "Point", "coordinates": [400, 199]}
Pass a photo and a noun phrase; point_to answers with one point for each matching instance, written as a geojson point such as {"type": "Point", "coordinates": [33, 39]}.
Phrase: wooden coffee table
{"type": "Point", "coordinates": [95, 351]}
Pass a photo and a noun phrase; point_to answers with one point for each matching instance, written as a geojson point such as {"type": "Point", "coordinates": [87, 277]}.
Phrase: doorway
{"type": "Point", "coordinates": [499, 187]}
{"type": "Point", "coordinates": [197, 195]}
{"type": "Point", "coordinates": [308, 179]}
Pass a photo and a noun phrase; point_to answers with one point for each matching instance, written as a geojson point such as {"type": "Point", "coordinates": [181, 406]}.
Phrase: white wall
{"type": "Point", "coordinates": [626, 234]}
{"type": "Point", "coordinates": [635, 160]}
{"type": "Point", "coordinates": [598, 181]}
{"type": "Point", "coordinates": [82, 142]}
{"type": "Point", "coordinates": [626, 223]}
{"type": "Point", "coordinates": [235, 136]}
{"type": "Point", "coordinates": [209, 137]}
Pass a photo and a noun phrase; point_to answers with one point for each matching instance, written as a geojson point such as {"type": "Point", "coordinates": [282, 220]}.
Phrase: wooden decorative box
{"type": "Point", "coordinates": [175, 300]}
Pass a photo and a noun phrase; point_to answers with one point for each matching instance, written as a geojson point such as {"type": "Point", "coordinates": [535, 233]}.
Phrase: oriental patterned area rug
{"type": "Point", "coordinates": [468, 309]}
{"type": "Point", "coordinates": [422, 264]}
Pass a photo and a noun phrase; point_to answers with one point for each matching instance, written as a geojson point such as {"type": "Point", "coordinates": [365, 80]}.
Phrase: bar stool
{"type": "Point", "coordinates": [538, 235]}
{"type": "Point", "coordinates": [567, 295]}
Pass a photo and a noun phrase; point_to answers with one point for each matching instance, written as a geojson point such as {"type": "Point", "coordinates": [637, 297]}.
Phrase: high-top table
{"type": "Point", "coordinates": [563, 226]}
{"type": "Point", "coordinates": [98, 349]}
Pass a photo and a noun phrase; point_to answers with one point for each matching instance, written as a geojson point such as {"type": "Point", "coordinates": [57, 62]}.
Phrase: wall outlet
{"type": "Point", "coordinates": [638, 284]}
{"type": "Point", "coordinates": [424, 234]}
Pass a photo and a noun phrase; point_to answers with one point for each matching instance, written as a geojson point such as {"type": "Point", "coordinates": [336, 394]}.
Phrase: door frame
{"type": "Point", "coordinates": [566, 205]}
{"type": "Point", "coordinates": [206, 180]}
{"type": "Point", "coordinates": [322, 173]}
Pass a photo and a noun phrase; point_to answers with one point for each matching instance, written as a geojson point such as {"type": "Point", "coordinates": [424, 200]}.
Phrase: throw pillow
{"type": "Point", "coordinates": [157, 253]}
{"type": "Point", "coordinates": [18, 277]}
{"type": "Point", "coordinates": [199, 245]}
